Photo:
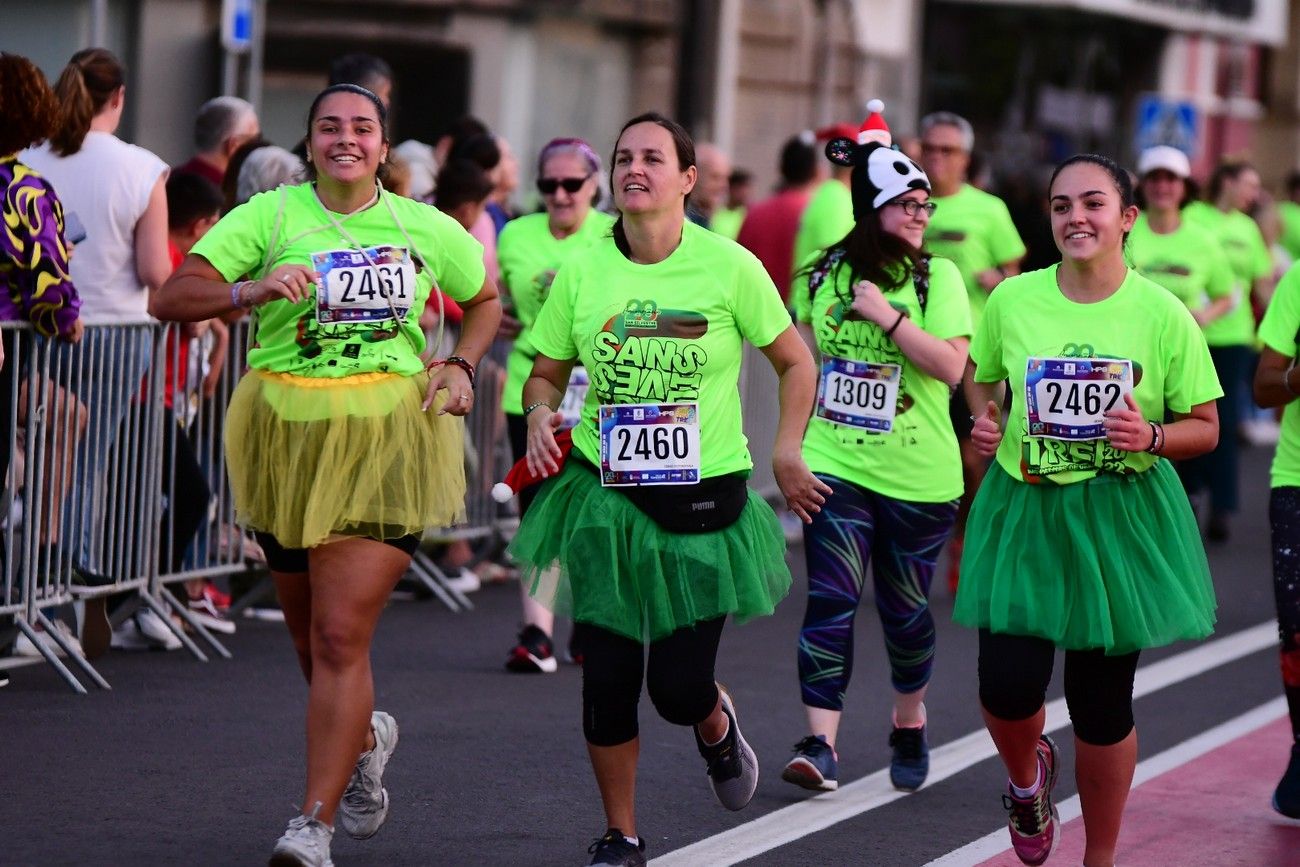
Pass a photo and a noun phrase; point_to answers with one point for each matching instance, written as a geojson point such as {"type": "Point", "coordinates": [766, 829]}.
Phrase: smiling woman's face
{"type": "Point", "coordinates": [347, 139]}
{"type": "Point", "coordinates": [1088, 216]}
{"type": "Point", "coordinates": [647, 177]}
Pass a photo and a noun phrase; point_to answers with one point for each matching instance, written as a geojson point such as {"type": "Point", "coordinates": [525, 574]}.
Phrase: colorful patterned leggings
{"type": "Point", "coordinates": [901, 540]}
{"type": "Point", "coordinates": [1284, 516]}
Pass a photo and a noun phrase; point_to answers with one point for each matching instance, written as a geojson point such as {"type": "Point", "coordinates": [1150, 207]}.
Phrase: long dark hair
{"type": "Point", "coordinates": [683, 144]}
{"type": "Point", "coordinates": [870, 253]}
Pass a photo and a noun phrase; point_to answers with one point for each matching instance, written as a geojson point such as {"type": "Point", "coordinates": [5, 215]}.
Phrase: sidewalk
{"type": "Point", "coordinates": [1212, 810]}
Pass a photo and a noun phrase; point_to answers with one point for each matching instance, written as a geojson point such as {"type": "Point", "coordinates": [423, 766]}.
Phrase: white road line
{"type": "Point", "coordinates": [998, 842]}
{"type": "Point", "coordinates": [791, 823]}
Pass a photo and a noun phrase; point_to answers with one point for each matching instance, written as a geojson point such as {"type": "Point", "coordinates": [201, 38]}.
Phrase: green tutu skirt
{"type": "Point", "coordinates": [586, 552]}
{"type": "Point", "coordinates": [1113, 563]}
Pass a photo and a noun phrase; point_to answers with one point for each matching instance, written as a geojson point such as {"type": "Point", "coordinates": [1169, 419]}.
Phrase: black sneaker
{"type": "Point", "coordinates": [1286, 798]}
{"type": "Point", "coordinates": [614, 848]}
{"type": "Point", "coordinates": [533, 654]}
{"type": "Point", "coordinates": [910, 764]}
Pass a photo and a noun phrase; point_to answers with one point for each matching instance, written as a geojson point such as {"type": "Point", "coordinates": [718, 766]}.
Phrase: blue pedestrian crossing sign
{"type": "Point", "coordinates": [1163, 121]}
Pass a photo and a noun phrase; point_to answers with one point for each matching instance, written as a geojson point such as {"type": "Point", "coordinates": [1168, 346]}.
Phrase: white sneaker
{"type": "Point", "coordinates": [144, 630]}
{"type": "Point", "coordinates": [365, 801]}
{"type": "Point", "coordinates": [306, 843]}
{"type": "Point", "coordinates": [23, 645]}
{"type": "Point", "coordinates": [465, 581]}
{"type": "Point", "coordinates": [205, 612]}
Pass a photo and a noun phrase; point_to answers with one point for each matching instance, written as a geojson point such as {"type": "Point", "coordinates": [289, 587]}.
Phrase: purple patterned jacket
{"type": "Point", "coordinates": [34, 282]}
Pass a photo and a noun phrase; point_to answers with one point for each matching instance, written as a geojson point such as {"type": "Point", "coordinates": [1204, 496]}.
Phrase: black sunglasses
{"type": "Point", "coordinates": [548, 186]}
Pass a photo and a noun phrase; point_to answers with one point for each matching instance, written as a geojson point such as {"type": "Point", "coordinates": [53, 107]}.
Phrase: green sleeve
{"type": "Point", "coordinates": [1219, 282]}
{"type": "Point", "coordinates": [552, 333]}
{"type": "Point", "coordinates": [986, 346]}
{"type": "Point", "coordinates": [760, 314]}
{"type": "Point", "coordinates": [459, 268]}
{"type": "Point", "coordinates": [1004, 240]}
{"type": "Point", "coordinates": [1281, 324]}
{"type": "Point", "coordinates": [1191, 379]}
{"type": "Point", "coordinates": [236, 245]}
{"type": "Point", "coordinates": [947, 307]}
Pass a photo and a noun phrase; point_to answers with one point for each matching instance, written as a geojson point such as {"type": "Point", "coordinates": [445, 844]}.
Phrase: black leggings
{"type": "Point", "coordinates": [1284, 517]}
{"type": "Point", "coordinates": [679, 678]}
{"type": "Point", "coordinates": [1014, 671]}
{"type": "Point", "coordinates": [517, 429]}
{"type": "Point", "coordinates": [282, 559]}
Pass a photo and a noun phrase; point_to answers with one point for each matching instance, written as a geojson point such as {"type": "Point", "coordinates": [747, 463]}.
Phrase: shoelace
{"type": "Point", "coordinates": [1029, 817]}
{"type": "Point", "coordinates": [907, 742]}
{"type": "Point", "coordinates": [361, 789]}
{"type": "Point", "coordinates": [810, 744]}
{"type": "Point", "coordinates": [299, 826]}
{"type": "Point", "coordinates": [613, 839]}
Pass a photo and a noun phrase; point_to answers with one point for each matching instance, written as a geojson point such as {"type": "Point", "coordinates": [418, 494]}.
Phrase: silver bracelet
{"type": "Point", "coordinates": [1286, 380]}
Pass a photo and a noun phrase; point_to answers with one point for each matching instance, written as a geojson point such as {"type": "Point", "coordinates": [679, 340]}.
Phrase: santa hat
{"type": "Point", "coordinates": [521, 477]}
{"type": "Point", "coordinates": [881, 172]}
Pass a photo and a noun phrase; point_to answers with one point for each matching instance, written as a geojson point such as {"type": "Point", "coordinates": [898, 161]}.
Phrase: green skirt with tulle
{"type": "Point", "coordinates": [586, 552]}
{"type": "Point", "coordinates": [1113, 563]}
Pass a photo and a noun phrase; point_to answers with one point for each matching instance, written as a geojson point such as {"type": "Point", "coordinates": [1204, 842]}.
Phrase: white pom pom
{"type": "Point", "coordinates": [501, 492]}
{"type": "Point", "coordinates": [875, 106]}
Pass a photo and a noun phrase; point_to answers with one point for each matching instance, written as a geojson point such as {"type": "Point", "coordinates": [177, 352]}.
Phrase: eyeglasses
{"type": "Point", "coordinates": [941, 150]}
{"type": "Point", "coordinates": [548, 186]}
{"type": "Point", "coordinates": [911, 206]}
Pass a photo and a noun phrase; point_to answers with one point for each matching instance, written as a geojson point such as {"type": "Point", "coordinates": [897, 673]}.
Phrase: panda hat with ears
{"type": "Point", "coordinates": [880, 171]}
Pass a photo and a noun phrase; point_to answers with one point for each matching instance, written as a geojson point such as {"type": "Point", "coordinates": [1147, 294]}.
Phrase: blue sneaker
{"type": "Point", "coordinates": [910, 764]}
{"type": "Point", "coordinates": [813, 766]}
{"type": "Point", "coordinates": [1286, 799]}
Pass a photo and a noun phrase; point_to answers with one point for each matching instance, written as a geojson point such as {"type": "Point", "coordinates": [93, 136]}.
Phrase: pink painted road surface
{"type": "Point", "coordinates": [1211, 812]}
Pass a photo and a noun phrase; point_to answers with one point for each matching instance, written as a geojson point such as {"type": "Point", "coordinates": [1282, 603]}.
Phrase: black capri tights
{"type": "Point", "coordinates": [1014, 671]}
{"type": "Point", "coordinates": [679, 678]}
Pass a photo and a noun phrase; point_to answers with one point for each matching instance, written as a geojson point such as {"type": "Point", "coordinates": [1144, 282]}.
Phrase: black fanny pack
{"type": "Point", "coordinates": [712, 504]}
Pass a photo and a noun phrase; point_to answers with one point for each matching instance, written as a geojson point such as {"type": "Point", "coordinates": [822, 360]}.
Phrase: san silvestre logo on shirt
{"type": "Point", "coordinates": [645, 354]}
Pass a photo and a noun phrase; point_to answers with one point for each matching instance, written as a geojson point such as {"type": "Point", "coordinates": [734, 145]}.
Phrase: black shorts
{"type": "Point", "coordinates": [282, 559]}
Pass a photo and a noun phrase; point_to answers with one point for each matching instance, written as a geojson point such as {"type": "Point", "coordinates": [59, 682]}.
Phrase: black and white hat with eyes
{"type": "Point", "coordinates": [880, 170]}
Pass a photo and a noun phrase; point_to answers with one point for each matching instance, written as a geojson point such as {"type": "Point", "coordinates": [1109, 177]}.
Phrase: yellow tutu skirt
{"type": "Point", "coordinates": [313, 458]}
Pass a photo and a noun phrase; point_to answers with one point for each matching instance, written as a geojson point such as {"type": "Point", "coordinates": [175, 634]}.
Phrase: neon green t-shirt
{"type": "Point", "coordinates": [726, 222]}
{"type": "Point", "coordinates": [826, 220]}
{"type": "Point", "coordinates": [973, 229]}
{"type": "Point", "coordinates": [528, 256]}
{"type": "Point", "coordinates": [1249, 259]}
{"type": "Point", "coordinates": [918, 460]}
{"type": "Point", "coordinates": [670, 332]}
{"type": "Point", "coordinates": [1289, 212]}
{"type": "Point", "coordinates": [1187, 261]}
{"type": "Point", "coordinates": [1029, 317]}
{"type": "Point", "coordinates": [288, 337]}
{"type": "Point", "coordinates": [1278, 331]}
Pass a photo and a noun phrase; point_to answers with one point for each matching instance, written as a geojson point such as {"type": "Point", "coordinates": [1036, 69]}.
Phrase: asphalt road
{"type": "Point", "coordinates": [200, 764]}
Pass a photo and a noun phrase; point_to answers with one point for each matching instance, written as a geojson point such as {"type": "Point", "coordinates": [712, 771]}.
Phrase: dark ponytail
{"type": "Point", "coordinates": [86, 85]}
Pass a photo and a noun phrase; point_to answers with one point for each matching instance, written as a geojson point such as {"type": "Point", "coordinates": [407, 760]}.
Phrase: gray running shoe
{"type": "Point", "coordinates": [733, 767]}
{"type": "Point", "coordinates": [306, 843]}
{"type": "Point", "coordinates": [365, 801]}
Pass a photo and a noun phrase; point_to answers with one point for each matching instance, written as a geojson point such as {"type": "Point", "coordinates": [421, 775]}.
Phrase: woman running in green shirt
{"type": "Point", "coordinates": [1081, 537]}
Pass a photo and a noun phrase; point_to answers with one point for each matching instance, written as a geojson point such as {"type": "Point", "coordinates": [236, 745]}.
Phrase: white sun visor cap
{"type": "Point", "coordinates": [1164, 157]}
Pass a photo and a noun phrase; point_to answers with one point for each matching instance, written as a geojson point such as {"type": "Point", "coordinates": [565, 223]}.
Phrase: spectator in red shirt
{"type": "Point", "coordinates": [221, 127]}
{"type": "Point", "coordinates": [771, 225]}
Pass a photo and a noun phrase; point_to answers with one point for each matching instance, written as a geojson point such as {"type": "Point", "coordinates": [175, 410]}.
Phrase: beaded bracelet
{"type": "Point", "coordinates": [1286, 381]}
{"type": "Point", "coordinates": [528, 410]}
{"type": "Point", "coordinates": [236, 290]}
{"type": "Point", "coordinates": [1157, 438]}
{"type": "Point", "coordinates": [455, 360]}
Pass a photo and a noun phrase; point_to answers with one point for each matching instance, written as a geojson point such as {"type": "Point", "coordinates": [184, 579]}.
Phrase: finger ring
{"type": "Point", "coordinates": [284, 278]}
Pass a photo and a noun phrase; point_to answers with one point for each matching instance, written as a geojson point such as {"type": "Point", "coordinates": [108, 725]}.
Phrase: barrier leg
{"type": "Point", "coordinates": [80, 660]}
{"type": "Point", "coordinates": [161, 610]}
{"type": "Point", "coordinates": [49, 655]}
{"type": "Point", "coordinates": [428, 574]}
{"type": "Point", "coordinates": [190, 620]}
